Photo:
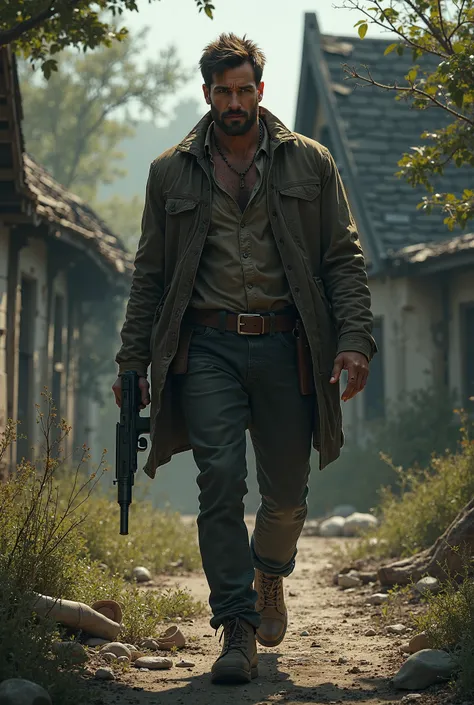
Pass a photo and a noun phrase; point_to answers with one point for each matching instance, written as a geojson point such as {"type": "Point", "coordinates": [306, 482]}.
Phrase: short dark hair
{"type": "Point", "coordinates": [229, 51]}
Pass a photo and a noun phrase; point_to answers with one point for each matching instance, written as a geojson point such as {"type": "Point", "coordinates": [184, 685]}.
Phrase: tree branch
{"type": "Point", "coordinates": [441, 24]}
{"type": "Point", "coordinates": [405, 89]}
{"type": "Point", "coordinates": [432, 27]}
{"type": "Point", "coordinates": [394, 29]}
{"type": "Point", "coordinates": [8, 36]}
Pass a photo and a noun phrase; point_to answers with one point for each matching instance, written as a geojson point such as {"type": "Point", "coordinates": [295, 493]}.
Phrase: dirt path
{"type": "Point", "coordinates": [333, 663]}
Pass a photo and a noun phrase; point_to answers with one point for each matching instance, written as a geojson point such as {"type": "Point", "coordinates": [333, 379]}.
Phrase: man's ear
{"type": "Point", "coordinates": [260, 89]}
{"type": "Point", "coordinates": [207, 96]}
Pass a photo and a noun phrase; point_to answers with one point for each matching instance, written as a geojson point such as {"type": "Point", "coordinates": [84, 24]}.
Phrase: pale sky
{"type": "Point", "coordinates": [276, 25]}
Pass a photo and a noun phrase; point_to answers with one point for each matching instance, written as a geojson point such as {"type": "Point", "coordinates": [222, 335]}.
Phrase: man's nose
{"type": "Point", "coordinates": [234, 102]}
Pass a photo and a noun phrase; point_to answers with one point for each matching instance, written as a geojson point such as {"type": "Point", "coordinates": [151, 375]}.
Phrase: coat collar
{"type": "Point", "coordinates": [194, 142]}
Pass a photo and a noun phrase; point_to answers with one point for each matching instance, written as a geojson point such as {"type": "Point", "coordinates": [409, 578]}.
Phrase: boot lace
{"type": "Point", "coordinates": [234, 634]}
{"type": "Point", "coordinates": [271, 590]}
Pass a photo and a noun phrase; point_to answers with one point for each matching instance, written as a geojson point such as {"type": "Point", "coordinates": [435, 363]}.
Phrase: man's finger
{"type": "Point", "coordinates": [350, 390]}
{"type": "Point", "coordinates": [336, 370]}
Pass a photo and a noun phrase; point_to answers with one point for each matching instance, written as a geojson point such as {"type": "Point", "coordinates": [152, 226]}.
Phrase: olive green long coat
{"type": "Point", "coordinates": [320, 250]}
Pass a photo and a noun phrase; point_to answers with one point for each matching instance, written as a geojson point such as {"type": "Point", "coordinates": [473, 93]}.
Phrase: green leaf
{"type": "Point", "coordinates": [411, 75]}
{"type": "Point", "coordinates": [208, 11]}
{"type": "Point", "coordinates": [459, 47]}
{"type": "Point", "coordinates": [390, 48]}
{"type": "Point", "coordinates": [363, 30]}
{"type": "Point", "coordinates": [400, 49]}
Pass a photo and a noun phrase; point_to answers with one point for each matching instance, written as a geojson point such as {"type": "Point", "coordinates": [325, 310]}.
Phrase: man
{"type": "Point", "coordinates": [249, 298]}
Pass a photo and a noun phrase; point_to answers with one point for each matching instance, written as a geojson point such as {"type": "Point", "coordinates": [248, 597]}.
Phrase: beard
{"type": "Point", "coordinates": [235, 128]}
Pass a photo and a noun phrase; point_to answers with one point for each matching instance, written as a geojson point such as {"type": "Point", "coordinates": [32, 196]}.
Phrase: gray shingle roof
{"type": "Point", "coordinates": [377, 129]}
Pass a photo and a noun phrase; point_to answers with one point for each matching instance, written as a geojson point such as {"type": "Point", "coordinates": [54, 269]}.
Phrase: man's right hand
{"type": "Point", "coordinates": [144, 388]}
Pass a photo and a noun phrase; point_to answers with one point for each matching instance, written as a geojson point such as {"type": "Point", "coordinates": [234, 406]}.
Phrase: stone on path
{"type": "Point", "coordinates": [96, 641]}
{"type": "Point", "coordinates": [427, 585]}
{"type": "Point", "coordinates": [378, 598]}
{"type": "Point", "coordinates": [185, 664]}
{"type": "Point", "coordinates": [349, 580]}
{"type": "Point", "coordinates": [396, 629]}
{"type": "Point", "coordinates": [343, 510]}
{"type": "Point", "coordinates": [71, 650]}
{"type": "Point", "coordinates": [370, 632]}
{"type": "Point", "coordinates": [18, 691]}
{"type": "Point", "coordinates": [418, 643]}
{"type": "Point", "coordinates": [104, 674]}
{"type": "Point", "coordinates": [423, 669]}
{"type": "Point", "coordinates": [311, 528]}
{"type": "Point", "coordinates": [334, 526]}
{"type": "Point", "coordinates": [412, 698]}
{"type": "Point", "coordinates": [358, 522]}
{"type": "Point", "coordinates": [117, 648]}
{"type": "Point", "coordinates": [141, 574]}
{"type": "Point", "coordinates": [153, 662]}
{"type": "Point", "coordinates": [109, 657]}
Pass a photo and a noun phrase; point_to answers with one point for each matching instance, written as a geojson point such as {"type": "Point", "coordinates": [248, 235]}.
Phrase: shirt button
{"type": "Point", "coordinates": [245, 255]}
{"type": "Point", "coordinates": [250, 285]}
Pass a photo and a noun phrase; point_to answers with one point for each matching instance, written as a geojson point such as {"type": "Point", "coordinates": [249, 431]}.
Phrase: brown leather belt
{"type": "Point", "coordinates": [243, 323]}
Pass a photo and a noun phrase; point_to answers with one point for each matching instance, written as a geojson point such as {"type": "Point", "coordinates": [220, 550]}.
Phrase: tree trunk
{"type": "Point", "coordinates": [444, 558]}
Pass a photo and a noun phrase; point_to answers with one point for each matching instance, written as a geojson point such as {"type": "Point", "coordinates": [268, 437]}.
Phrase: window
{"type": "Point", "coordinates": [467, 352]}
{"type": "Point", "coordinates": [374, 393]}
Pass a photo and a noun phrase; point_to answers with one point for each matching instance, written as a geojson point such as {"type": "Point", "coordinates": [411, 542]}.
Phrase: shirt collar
{"type": "Point", "coordinates": [264, 147]}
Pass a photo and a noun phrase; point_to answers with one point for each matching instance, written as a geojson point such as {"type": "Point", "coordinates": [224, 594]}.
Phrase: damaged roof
{"type": "Point", "coordinates": [64, 211]}
{"type": "Point", "coordinates": [28, 192]}
{"type": "Point", "coordinates": [368, 130]}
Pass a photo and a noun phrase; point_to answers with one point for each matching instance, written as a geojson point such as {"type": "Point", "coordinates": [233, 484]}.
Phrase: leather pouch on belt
{"type": "Point", "coordinates": [179, 366]}
{"type": "Point", "coordinates": [305, 363]}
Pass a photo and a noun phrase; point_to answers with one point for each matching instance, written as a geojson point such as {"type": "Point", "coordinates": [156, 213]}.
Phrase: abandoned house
{"type": "Point", "coordinates": [61, 272]}
{"type": "Point", "coordinates": [421, 275]}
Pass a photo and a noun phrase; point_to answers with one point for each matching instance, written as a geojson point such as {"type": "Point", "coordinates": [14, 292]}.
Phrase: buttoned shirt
{"type": "Point", "coordinates": [240, 268]}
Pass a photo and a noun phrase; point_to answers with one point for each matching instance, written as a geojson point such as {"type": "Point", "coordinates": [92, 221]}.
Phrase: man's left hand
{"type": "Point", "coordinates": [357, 367]}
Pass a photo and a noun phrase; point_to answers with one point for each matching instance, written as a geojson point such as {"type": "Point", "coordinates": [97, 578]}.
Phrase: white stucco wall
{"type": "Point", "coordinates": [410, 309]}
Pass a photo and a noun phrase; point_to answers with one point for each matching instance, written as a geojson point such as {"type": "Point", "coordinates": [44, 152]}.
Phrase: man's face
{"type": "Point", "coordinates": [234, 98]}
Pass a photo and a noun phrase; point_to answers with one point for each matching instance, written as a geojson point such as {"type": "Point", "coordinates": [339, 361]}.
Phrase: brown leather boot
{"type": "Point", "coordinates": [238, 662]}
{"type": "Point", "coordinates": [271, 607]}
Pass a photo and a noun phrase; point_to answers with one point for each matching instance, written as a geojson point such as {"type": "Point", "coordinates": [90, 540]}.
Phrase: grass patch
{"type": "Point", "coordinates": [449, 624]}
{"type": "Point", "coordinates": [424, 504]}
{"type": "Point", "coordinates": [50, 530]}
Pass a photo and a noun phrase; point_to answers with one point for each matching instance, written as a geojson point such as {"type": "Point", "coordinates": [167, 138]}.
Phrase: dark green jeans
{"type": "Point", "coordinates": [235, 382]}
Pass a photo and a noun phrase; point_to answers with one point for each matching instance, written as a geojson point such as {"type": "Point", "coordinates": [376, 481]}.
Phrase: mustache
{"type": "Point", "coordinates": [230, 113]}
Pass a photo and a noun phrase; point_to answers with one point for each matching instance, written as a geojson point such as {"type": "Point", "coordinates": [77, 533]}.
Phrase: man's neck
{"type": "Point", "coordinates": [239, 146]}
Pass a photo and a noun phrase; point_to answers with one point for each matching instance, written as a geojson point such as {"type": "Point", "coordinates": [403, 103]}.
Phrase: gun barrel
{"type": "Point", "coordinates": [124, 519]}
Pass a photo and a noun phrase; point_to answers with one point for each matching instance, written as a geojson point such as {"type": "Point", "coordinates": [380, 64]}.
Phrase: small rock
{"type": "Point", "coordinates": [405, 649]}
{"type": "Point", "coordinates": [185, 664]}
{"type": "Point", "coordinates": [349, 580]}
{"type": "Point", "coordinates": [153, 662]}
{"type": "Point", "coordinates": [423, 669]}
{"type": "Point", "coordinates": [332, 527]}
{"type": "Point", "coordinates": [354, 669]}
{"type": "Point", "coordinates": [141, 574]}
{"type": "Point", "coordinates": [311, 528]}
{"type": "Point", "coordinates": [115, 647]}
{"type": "Point", "coordinates": [396, 629]}
{"type": "Point", "coordinates": [418, 643]}
{"type": "Point", "coordinates": [370, 632]}
{"type": "Point", "coordinates": [378, 598]}
{"type": "Point", "coordinates": [304, 633]}
{"type": "Point", "coordinates": [123, 659]}
{"type": "Point", "coordinates": [315, 645]}
{"type": "Point", "coordinates": [343, 510]}
{"type": "Point", "coordinates": [149, 644]}
{"type": "Point", "coordinates": [427, 585]}
{"type": "Point", "coordinates": [96, 641]}
{"type": "Point", "coordinates": [71, 650]}
{"type": "Point", "coordinates": [368, 578]}
{"type": "Point", "coordinates": [411, 698]}
{"type": "Point", "coordinates": [104, 674]}
{"type": "Point", "coordinates": [357, 523]}
{"type": "Point", "coordinates": [292, 594]}
{"type": "Point", "coordinates": [341, 660]}
{"type": "Point", "coordinates": [131, 647]}
{"type": "Point", "coordinates": [109, 657]}
{"type": "Point", "coordinates": [143, 670]}
{"type": "Point", "coordinates": [18, 691]}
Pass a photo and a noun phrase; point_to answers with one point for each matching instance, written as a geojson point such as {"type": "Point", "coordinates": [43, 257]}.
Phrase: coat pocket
{"type": "Point", "coordinates": [305, 190]}
{"type": "Point", "coordinates": [178, 204]}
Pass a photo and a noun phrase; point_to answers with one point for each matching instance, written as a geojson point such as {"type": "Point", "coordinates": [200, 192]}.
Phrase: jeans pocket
{"type": "Point", "coordinates": [287, 339]}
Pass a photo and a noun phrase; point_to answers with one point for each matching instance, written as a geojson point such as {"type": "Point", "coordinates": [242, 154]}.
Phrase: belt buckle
{"type": "Point", "coordinates": [240, 323]}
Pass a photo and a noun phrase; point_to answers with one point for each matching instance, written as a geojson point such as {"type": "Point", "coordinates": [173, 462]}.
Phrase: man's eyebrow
{"type": "Point", "coordinates": [248, 85]}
